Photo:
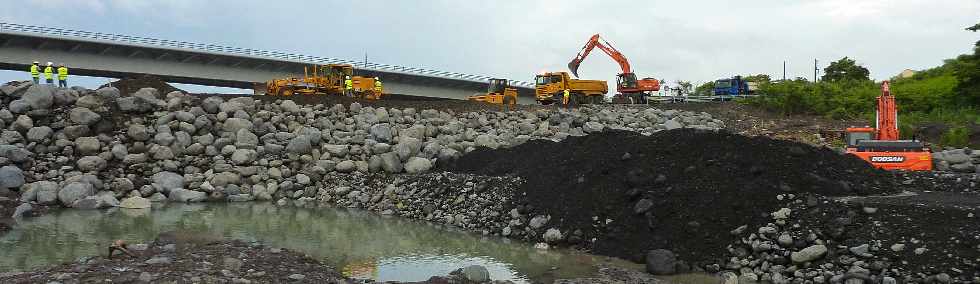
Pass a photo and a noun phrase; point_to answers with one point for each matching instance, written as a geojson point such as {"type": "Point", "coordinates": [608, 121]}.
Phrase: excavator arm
{"type": "Point", "coordinates": [594, 42]}
{"type": "Point", "coordinates": [887, 115]}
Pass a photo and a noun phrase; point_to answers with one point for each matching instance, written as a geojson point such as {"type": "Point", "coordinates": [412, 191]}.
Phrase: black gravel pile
{"type": "Point", "coordinates": [684, 190]}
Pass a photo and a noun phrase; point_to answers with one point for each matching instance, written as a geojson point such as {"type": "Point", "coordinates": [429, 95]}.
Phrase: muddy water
{"type": "Point", "coordinates": [361, 244]}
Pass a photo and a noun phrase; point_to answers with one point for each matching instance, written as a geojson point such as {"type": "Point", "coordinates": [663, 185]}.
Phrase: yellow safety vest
{"type": "Point", "coordinates": [348, 84]}
{"type": "Point", "coordinates": [35, 72]}
{"type": "Point", "coordinates": [48, 72]}
{"type": "Point", "coordinates": [566, 94]}
{"type": "Point", "coordinates": [62, 73]}
{"type": "Point", "coordinates": [377, 85]}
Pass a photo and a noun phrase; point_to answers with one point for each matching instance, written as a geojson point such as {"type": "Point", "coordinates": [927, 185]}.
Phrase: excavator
{"type": "Point", "coordinates": [630, 90]}
{"type": "Point", "coordinates": [880, 145]}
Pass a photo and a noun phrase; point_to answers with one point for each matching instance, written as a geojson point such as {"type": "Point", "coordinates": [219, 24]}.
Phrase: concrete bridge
{"type": "Point", "coordinates": [120, 56]}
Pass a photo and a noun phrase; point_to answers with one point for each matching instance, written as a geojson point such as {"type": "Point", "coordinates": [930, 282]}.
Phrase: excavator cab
{"type": "Point", "coordinates": [497, 86]}
{"type": "Point", "coordinates": [626, 81]}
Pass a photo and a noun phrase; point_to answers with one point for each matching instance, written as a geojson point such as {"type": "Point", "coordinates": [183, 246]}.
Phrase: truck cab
{"type": "Point", "coordinates": [549, 88]}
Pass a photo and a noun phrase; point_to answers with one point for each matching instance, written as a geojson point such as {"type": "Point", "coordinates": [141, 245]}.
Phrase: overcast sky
{"type": "Point", "coordinates": [675, 40]}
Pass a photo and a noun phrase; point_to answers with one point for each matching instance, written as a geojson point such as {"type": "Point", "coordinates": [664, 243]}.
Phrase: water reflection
{"type": "Point", "coordinates": [359, 243]}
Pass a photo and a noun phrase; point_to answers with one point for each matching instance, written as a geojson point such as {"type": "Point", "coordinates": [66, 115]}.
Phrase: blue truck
{"type": "Point", "coordinates": [734, 87]}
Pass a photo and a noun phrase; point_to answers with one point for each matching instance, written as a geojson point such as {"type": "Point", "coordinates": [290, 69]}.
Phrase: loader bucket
{"type": "Point", "coordinates": [573, 66]}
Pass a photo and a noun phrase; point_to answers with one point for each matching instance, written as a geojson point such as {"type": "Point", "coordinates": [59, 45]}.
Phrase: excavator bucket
{"type": "Point", "coordinates": [573, 66]}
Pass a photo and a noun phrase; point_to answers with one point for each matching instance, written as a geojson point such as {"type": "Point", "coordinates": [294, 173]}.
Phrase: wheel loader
{"type": "Point", "coordinates": [364, 88]}
{"type": "Point", "coordinates": [499, 92]}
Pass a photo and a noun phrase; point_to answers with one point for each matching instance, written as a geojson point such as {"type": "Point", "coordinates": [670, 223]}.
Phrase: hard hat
{"type": "Point", "coordinates": [49, 63]}
{"type": "Point", "coordinates": [376, 78]}
{"type": "Point", "coordinates": [348, 77]}
{"type": "Point", "coordinates": [35, 62]}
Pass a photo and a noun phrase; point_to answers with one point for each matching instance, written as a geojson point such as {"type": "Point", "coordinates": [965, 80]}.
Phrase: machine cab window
{"type": "Point", "coordinates": [853, 136]}
{"type": "Point", "coordinates": [626, 80]}
{"type": "Point", "coordinates": [542, 80]}
{"type": "Point", "coordinates": [497, 85]}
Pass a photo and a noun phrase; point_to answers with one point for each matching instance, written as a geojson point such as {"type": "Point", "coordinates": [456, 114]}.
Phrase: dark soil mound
{"type": "Point", "coordinates": [698, 186]}
{"type": "Point", "coordinates": [128, 86]}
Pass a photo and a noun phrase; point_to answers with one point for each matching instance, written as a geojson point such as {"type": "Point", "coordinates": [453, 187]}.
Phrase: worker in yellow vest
{"type": "Point", "coordinates": [36, 72]}
{"type": "Point", "coordinates": [348, 87]}
{"type": "Point", "coordinates": [49, 73]}
{"type": "Point", "coordinates": [565, 98]}
{"type": "Point", "coordinates": [377, 85]}
{"type": "Point", "coordinates": [62, 76]}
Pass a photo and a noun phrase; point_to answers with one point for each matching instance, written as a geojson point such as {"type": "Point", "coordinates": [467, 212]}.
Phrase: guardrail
{"type": "Point", "coordinates": [152, 42]}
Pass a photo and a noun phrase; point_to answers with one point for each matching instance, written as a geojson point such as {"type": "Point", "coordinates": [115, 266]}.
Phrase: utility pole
{"type": "Point", "coordinates": [784, 70]}
{"type": "Point", "coordinates": [815, 69]}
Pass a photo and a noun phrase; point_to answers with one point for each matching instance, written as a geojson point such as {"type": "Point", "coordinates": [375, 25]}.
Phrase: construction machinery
{"type": "Point", "coordinates": [324, 80]}
{"type": "Point", "coordinates": [498, 92]}
{"type": "Point", "coordinates": [630, 89]}
{"type": "Point", "coordinates": [735, 86]}
{"type": "Point", "coordinates": [880, 145]}
{"type": "Point", "coordinates": [549, 88]}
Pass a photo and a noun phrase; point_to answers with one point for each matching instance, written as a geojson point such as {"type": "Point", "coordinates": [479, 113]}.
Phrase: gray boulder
{"type": "Point", "coordinates": [476, 274]}
{"type": "Point", "coordinates": [672, 124]}
{"type": "Point", "coordinates": [88, 145]}
{"type": "Point", "coordinates": [299, 145]}
{"type": "Point", "coordinates": [138, 132]}
{"type": "Point", "coordinates": [39, 134]}
{"type": "Point", "coordinates": [83, 116]}
{"type": "Point", "coordinates": [417, 165]}
{"type": "Point", "coordinates": [391, 163]}
{"type": "Point", "coordinates": [91, 164]}
{"type": "Point", "coordinates": [14, 153]}
{"type": "Point", "coordinates": [46, 192]}
{"type": "Point", "coordinates": [809, 254]}
{"type": "Point", "coordinates": [245, 139]}
{"type": "Point", "coordinates": [289, 106]}
{"type": "Point", "coordinates": [135, 202]}
{"type": "Point", "coordinates": [167, 181]}
{"type": "Point", "coordinates": [234, 124]}
{"type": "Point", "coordinates": [23, 123]}
{"type": "Point", "coordinates": [39, 97]}
{"type": "Point", "coordinates": [552, 235]}
{"type": "Point", "coordinates": [408, 147]}
{"type": "Point", "coordinates": [90, 102]}
{"type": "Point", "coordinates": [184, 195]}
{"type": "Point", "coordinates": [75, 191]}
{"type": "Point", "coordinates": [243, 156]}
{"type": "Point", "coordinates": [22, 210]}
{"type": "Point", "coordinates": [661, 262]}
{"type": "Point", "coordinates": [345, 166]}
{"type": "Point", "coordinates": [11, 177]}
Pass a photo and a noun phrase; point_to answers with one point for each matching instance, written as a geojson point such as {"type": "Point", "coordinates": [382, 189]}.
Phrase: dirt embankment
{"type": "Point", "coordinates": [753, 121]}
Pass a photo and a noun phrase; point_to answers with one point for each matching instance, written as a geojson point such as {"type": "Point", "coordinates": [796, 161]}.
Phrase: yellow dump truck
{"type": "Point", "coordinates": [549, 88]}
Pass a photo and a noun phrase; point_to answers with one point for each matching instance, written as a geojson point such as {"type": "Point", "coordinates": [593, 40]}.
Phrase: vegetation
{"type": "Point", "coordinates": [845, 69]}
{"type": "Point", "coordinates": [948, 95]}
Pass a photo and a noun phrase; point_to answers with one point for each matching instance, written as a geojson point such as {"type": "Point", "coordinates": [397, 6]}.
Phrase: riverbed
{"type": "Point", "coordinates": [358, 243]}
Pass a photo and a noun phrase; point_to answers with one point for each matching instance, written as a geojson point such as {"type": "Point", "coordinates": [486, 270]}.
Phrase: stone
{"type": "Point", "coordinates": [23, 123]}
{"type": "Point", "coordinates": [785, 240]}
{"type": "Point", "coordinates": [965, 167]}
{"type": "Point", "coordinates": [417, 165]}
{"type": "Point", "coordinates": [898, 247]}
{"type": "Point", "coordinates": [46, 192]}
{"type": "Point", "coordinates": [11, 177]}
{"type": "Point", "coordinates": [234, 124]}
{"type": "Point", "coordinates": [164, 138]}
{"type": "Point", "coordinates": [135, 202]}
{"type": "Point", "coordinates": [538, 221]}
{"type": "Point", "coordinates": [296, 277]}
{"type": "Point", "coordinates": [226, 178]}
{"type": "Point", "coordinates": [781, 214]}
{"type": "Point", "coordinates": [955, 157]}
{"type": "Point", "coordinates": [138, 132]}
{"type": "Point", "coordinates": [391, 163]}
{"type": "Point", "coordinates": [91, 164]}
{"type": "Point", "coordinates": [407, 147]}
{"type": "Point", "coordinates": [22, 210]}
{"type": "Point", "coordinates": [661, 262]}
{"type": "Point", "coordinates": [75, 191]}
{"type": "Point", "coordinates": [476, 274]}
{"type": "Point", "coordinates": [809, 254]}
{"type": "Point", "coordinates": [90, 203]}
{"type": "Point", "coordinates": [243, 156]}
{"type": "Point", "coordinates": [167, 181]}
{"type": "Point", "coordinates": [83, 116]}
{"type": "Point", "coordinates": [39, 133]}
{"type": "Point", "coordinates": [289, 106]}
{"type": "Point", "coordinates": [672, 124]}
{"type": "Point", "coordinates": [245, 139]}
{"type": "Point", "coordinates": [552, 235]}
{"type": "Point", "coordinates": [184, 195]}
{"type": "Point", "coordinates": [90, 102]}
{"type": "Point", "coordinates": [345, 166]}
{"type": "Point", "coordinates": [487, 141]}
{"type": "Point", "coordinates": [39, 97]}
{"type": "Point", "coordinates": [381, 132]}
{"type": "Point", "coordinates": [88, 145]}
{"type": "Point", "coordinates": [300, 145]}
{"type": "Point", "coordinates": [861, 250]}
{"type": "Point", "coordinates": [642, 206]}
{"type": "Point", "coordinates": [158, 260]}
{"type": "Point", "coordinates": [14, 154]}
{"type": "Point", "coordinates": [592, 127]}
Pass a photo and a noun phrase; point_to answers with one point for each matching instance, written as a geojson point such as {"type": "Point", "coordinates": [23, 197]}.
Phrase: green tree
{"type": "Point", "coordinates": [758, 78]}
{"type": "Point", "coordinates": [686, 86]}
{"type": "Point", "coordinates": [845, 69]}
{"type": "Point", "coordinates": [967, 69]}
{"type": "Point", "coordinates": [705, 89]}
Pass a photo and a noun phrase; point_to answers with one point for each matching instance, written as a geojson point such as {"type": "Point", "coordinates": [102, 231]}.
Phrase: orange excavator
{"type": "Point", "coordinates": [881, 147]}
{"type": "Point", "coordinates": [630, 90]}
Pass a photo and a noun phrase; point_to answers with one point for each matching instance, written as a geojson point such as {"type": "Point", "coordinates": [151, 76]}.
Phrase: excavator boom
{"type": "Point", "coordinates": [596, 41]}
{"type": "Point", "coordinates": [887, 123]}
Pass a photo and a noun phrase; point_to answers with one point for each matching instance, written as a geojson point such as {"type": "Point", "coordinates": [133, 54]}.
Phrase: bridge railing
{"type": "Point", "coordinates": [211, 48]}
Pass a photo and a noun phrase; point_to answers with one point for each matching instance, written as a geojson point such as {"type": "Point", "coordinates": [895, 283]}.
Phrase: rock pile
{"type": "Point", "coordinates": [89, 149]}
{"type": "Point", "coordinates": [957, 160]}
{"type": "Point", "coordinates": [690, 200]}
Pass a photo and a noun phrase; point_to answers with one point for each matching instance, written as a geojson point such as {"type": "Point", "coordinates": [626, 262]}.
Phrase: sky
{"type": "Point", "coordinates": [695, 40]}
